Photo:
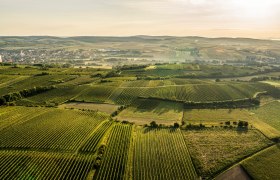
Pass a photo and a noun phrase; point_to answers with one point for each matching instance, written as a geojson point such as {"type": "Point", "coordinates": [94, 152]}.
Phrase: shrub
{"type": "Point", "coordinates": [153, 124]}
{"type": "Point", "coordinates": [176, 125]}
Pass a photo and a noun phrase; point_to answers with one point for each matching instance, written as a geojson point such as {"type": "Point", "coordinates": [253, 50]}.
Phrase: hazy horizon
{"type": "Point", "coordinates": [212, 18]}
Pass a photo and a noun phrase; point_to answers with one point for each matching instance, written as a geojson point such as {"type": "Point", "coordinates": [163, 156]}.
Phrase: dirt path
{"type": "Point", "coordinates": [235, 173]}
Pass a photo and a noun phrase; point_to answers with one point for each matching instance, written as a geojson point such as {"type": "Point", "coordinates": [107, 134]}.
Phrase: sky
{"type": "Point", "coordinates": [208, 18]}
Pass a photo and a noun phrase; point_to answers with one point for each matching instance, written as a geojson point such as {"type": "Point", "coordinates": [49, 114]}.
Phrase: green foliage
{"type": "Point", "coordinates": [269, 113]}
{"type": "Point", "coordinates": [114, 161]}
{"type": "Point", "coordinates": [153, 124]}
{"type": "Point", "coordinates": [163, 150]}
{"type": "Point", "coordinates": [24, 93]}
{"type": "Point", "coordinates": [216, 149]}
{"type": "Point", "coordinates": [47, 128]}
{"type": "Point", "coordinates": [92, 143]}
{"type": "Point", "coordinates": [46, 165]}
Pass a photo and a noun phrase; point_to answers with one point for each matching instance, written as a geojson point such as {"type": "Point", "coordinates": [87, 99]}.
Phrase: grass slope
{"type": "Point", "coordinates": [270, 114]}
{"type": "Point", "coordinates": [145, 111]}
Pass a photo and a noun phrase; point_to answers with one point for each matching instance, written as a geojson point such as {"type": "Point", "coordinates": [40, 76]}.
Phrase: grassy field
{"type": "Point", "coordinates": [216, 148]}
{"type": "Point", "coordinates": [146, 111]}
{"type": "Point", "coordinates": [218, 117]}
{"type": "Point", "coordinates": [107, 108]}
{"type": "Point", "coordinates": [264, 165]}
{"type": "Point", "coordinates": [269, 113]}
{"type": "Point", "coordinates": [273, 83]}
{"type": "Point", "coordinates": [161, 154]}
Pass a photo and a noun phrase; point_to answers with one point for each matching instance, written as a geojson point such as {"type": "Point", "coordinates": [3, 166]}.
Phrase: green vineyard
{"type": "Point", "coordinates": [113, 164]}
{"type": "Point", "coordinates": [161, 154]}
{"type": "Point", "coordinates": [157, 121]}
{"type": "Point", "coordinates": [53, 97]}
{"type": "Point", "coordinates": [49, 129]}
{"type": "Point", "coordinates": [44, 165]}
{"type": "Point", "coordinates": [91, 144]}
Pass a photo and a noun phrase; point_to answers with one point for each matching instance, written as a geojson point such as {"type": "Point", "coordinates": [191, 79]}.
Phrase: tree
{"type": "Point", "coordinates": [154, 124]}
{"type": "Point", "coordinates": [176, 125]}
{"type": "Point", "coordinates": [2, 101]}
{"type": "Point", "coordinates": [246, 124]}
{"type": "Point", "coordinates": [240, 124]}
{"type": "Point", "coordinates": [227, 123]}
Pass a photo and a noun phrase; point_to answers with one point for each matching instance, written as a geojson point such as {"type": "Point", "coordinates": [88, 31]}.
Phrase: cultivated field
{"type": "Point", "coordinates": [46, 128]}
{"type": "Point", "coordinates": [113, 164]}
{"type": "Point", "coordinates": [95, 94]}
{"type": "Point", "coordinates": [53, 97]}
{"type": "Point", "coordinates": [264, 165]}
{"type": "Point", "coordinates": [161, 154]}
{"type": "Point", "coordinates": [270, 114]}
{"type": "Point", "coordinates": [45, 165]}
{"type": "Point", "coordinates": [84, 123]}
{"type": "Point", "coordinates": [19, 82]}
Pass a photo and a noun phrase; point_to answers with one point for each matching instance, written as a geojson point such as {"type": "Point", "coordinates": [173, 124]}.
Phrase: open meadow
{"type": "Point", "coordinates": [146, 111]}
{"type": "Point", "coordinates": [214, 149]}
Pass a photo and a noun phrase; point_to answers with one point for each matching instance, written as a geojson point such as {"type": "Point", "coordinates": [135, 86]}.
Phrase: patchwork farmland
{"type": "Point", "coordinates": [86, 123]}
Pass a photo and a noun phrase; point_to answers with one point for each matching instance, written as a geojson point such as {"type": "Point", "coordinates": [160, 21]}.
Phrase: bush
{"type": "Point", "coordinates": [227, 123]}
{"type": "Point", "coordinates": [242, 124]}
{"type": "Point", "coordinates": [176, 125]}
{"type": "Point", "coordinates": [153, 124]}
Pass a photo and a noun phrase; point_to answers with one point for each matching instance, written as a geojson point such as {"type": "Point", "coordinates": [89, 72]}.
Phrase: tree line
{"type": "Point", "coordinates": [15, 96]}
{"type": "Point", "coordinates": [239, 103]}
